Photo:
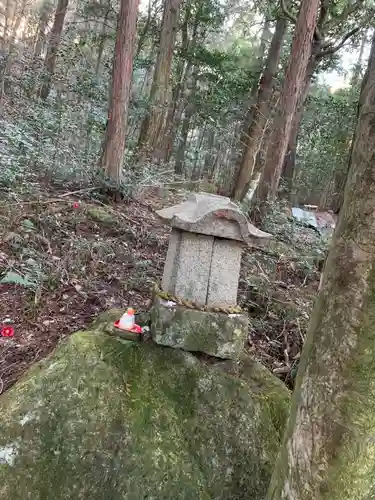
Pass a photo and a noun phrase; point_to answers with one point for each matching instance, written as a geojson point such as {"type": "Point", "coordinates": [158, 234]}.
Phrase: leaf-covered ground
{"type": "Point", "coordinates": [66, 257]}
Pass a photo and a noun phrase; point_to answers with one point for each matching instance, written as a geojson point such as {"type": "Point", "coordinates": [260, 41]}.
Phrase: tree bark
{"type": "Point", "coordinates": [114, 144]}
{"type": "Point", "coordinates": [102, 39]}
{"type": "Point", "coordinates": [208, 157]}
{"type": "Point", "coordinates": [53, 47]}
{"type": "Point", "coordinates": [292, 88]}
{"type": "Point", "coordinates": [185, 127]}
{"type": "Point", "coordinates": [196, 172]}
{"type": "Point", "coordinates": [320, 49]}
{"type": "Point", "coordinates": [357, 70]}
{"type": "Point", "coordinates": [45, 12]}
{"type": "Point", "coordinates": [259, 114]}
{"type": "Point", "coordinates": [183, 71]}
{"type": "Point", "coordinates": [328, 449]}
{"type": "Point", "coordinates": [266, 37]}
{"type": "Point", "coordinates": [290, 157]}
{"type": "Point", "coordinates": [8, 59]}
{"type": "Point", "coordinates": [142, 36]}
{"type": "Point", "coordinates": [153, 125]}
{"type": "Point", "coordinates": [180, 155]}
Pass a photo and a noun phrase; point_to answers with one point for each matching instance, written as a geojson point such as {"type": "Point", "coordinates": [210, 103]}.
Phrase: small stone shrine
{"type": "Point", "coordinates": [197, 307]}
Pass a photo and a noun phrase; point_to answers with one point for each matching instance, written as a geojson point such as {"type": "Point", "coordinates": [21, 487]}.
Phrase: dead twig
{"type": "Point", "coordinates": [85, 190]}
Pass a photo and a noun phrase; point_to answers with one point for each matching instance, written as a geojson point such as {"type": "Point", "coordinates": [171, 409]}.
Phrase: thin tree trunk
{"type": "Point", "coordinates": [53, 47]}
{"type": "Point", "coordinates": [292, 88]}
{"type": "Point", "coordinates": [41, 32]}
{"type": "Point", "coordinates": [195, 175]}
{"type": "Point", "coordinates": [175, 114]}
{"type": "Point", "coordinates": [90, 121]}
{"type": "Point", "coordinates": [185, 127]}
{"type": "Point", "coordinates": [103, 32]}
{"type": "Point", "coordinates": [147, 81]}
{"type": "Point", "coordinates": [180, 155]}
{"type": "Point", "coordinates": [5, 67]}
{"type": "Point", "coordinates": [328, 446]}
{"type": "Point", "coordinates": [208, 158]}
{"type": "Point", "coordinates": [114, 144]}
{"type": "Point", "coordinates": [253, 138]}
{"type": "Point", "coordinates": [143, 35]}
{"type": "Point", "coordinates": [153, 125]}
{"type": "Point", "coordinates": [183, 73]}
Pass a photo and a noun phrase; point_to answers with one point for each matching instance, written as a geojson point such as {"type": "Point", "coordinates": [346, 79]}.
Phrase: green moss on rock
{"type": "Point", "coordinates": [109, 419]}
{"type": "Point", "coordinates": [100, 214]}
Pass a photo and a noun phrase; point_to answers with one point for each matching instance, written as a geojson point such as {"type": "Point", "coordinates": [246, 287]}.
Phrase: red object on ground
{"type": "Point", "coordinates": [136, 329]}
{"type": "Point", "coordinates": [76, 204]}
{"type": "Point", "coordinates": [7, 331]}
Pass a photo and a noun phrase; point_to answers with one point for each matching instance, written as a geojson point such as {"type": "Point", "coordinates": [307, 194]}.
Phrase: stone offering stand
{"type": "Point", "coordinates": [197, 307]}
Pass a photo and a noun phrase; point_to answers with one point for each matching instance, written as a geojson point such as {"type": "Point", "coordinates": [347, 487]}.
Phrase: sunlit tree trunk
{"type": "Point", "coordinates": [114, 144]}
{"type": "Point", "coordinates": [153, 125]}
{"type": "Point", "coordinates": [328, 449]}
{"type": "Point", "coordinates": [53, 47]}
{"type": "Point", "coordinates": [292, 88]}
{"type": "Point", "coordinates": [252, 139]}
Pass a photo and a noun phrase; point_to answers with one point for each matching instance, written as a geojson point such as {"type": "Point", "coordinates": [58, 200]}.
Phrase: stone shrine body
{"type": "Point", "coordinates": [203, 267]}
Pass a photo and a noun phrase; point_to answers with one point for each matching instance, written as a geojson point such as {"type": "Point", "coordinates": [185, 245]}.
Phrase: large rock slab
{"type": "Point", "coordinates": [104, 418]}
{"type": "Point", "coordinates": [217, 334]}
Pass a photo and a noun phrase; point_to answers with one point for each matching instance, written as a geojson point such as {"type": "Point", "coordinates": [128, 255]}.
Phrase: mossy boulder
{"type": "Point", "coordinates": [104, 418]}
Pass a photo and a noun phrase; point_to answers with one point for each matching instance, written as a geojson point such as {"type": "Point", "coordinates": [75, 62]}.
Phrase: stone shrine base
{"type": "Point", "coordinates": [217, 334]}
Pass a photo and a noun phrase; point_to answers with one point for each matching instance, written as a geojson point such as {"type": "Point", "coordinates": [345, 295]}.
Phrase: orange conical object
{"type": "Point", "coordinates": [127, 320]}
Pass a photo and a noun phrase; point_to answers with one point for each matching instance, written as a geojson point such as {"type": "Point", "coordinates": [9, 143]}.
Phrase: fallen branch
{"type": "Point", "coordinates": [85, 190]}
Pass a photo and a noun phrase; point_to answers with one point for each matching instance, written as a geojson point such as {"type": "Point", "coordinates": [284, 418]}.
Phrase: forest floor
{"type": "Point", "coordinates": [65, 257]}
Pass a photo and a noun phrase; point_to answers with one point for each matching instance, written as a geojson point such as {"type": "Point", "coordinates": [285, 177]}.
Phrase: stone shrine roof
{"type": "Point", "coordinates": [213, 215]}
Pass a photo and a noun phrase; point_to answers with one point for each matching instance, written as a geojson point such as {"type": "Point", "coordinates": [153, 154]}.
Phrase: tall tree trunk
{"type": "Point", "coordinates": [356, 78]}
{"type": "Point", "coordinates": [196, 172]}
{"type": "Point", "coordinates": [53, 47]}
{"type": "Point", "coordinates": [45, 12]}
{"type": "Point", "coordinates": [209, 157]}
{"type": "Point", "coordinates": [290, 157]}
{"type": "Point", "coordinates": [114, 144]}
{"type": "Point", "coordinates": [7, 61]}
{"type": "Point", "coordinates": [260, 112]}
{"type": "Point", "coordinates": [183, 73]}
{"type": "Point", "coordinates": [102, 39]}
{"type": "Point", "coordinates": [142, 36]}
{"type": "Point", "coordinates": [153, 125]}
{"type": "Point", "coordinates": [185, 127]}
{"type": "Point", "coordinates": [328, 446]}
{"type": "Point", "coordinates": [266, 36]}
{"type": "Point", "coordinates": [180, 155]}
{"type": "Point", "coordinates": [292, 88]}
